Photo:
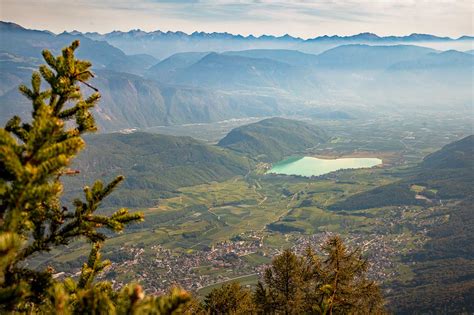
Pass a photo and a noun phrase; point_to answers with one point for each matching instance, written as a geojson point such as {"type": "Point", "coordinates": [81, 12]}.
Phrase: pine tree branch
{"type": "Point", "coordinates": [88, 85]}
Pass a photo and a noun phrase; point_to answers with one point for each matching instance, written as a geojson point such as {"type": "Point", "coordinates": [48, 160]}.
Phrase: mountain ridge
{"type": "Point", "coordinates": [152, 42]}
{"type": "Point", "coordinates": [202, 34]}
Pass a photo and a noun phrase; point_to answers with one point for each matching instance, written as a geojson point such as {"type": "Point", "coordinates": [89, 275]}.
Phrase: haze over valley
{"type": "Point", "coordinates": [353, 77]}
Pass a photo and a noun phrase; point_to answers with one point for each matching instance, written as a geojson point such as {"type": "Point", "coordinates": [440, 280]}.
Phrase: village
{"type": "Point", "coordinates": [159, 268]}
{"type": "Point", "coordinates": [226, 261]}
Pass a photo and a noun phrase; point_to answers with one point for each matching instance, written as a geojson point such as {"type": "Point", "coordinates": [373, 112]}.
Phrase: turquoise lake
{"type": "Point", "coordinates": [310, 166]}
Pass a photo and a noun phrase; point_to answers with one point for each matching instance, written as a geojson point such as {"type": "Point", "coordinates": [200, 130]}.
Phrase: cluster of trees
{"type": "Point", "coordinates": [35, 156]}
{"type": "Point", "coordinates": [332, 283]}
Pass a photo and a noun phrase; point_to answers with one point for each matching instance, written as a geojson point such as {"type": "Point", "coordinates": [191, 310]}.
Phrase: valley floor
{"type": "Point", "coordinates": [209, 234]}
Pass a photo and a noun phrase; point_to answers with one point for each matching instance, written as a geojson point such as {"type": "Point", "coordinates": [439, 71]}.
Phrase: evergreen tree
{"type": "Point", "coordinates": [33, 158]}
{"type": "Point", "coordinates": [284, 285]}
{"type": "Point", "coordinates": [339, 282]}
{"type": "Point", "coordinates": [194, 307]}
{"type": "Point", "coordinates": [229, 299]}
{"type": "Point", "coordinates": [333, 283]}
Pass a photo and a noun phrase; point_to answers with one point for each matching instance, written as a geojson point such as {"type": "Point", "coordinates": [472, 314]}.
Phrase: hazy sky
{"type": "Point", "coordinates": [303, 18]}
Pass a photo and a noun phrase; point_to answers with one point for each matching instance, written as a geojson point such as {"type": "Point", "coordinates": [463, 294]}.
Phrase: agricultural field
{"type": "Point", "coordinates": [216, 232]}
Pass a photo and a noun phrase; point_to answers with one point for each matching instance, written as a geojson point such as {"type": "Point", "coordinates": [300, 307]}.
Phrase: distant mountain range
{"type": "Point", "coordinates": [217, 42]}
{"type": "Point", "coordinates": [128, 100]}
{"type": "Point", "coordinates": [163, 44]}
{"type": "Point", "coordinates": [137, 33]}
{"type": "Point", "coordinates": [216, 79]}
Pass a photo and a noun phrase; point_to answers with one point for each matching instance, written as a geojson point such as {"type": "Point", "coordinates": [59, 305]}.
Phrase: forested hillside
{"type": "Point", "coordinates": [272, 139]}
{"type": "Point", "coordinates": [444, 267]}
{"type": "Point", "coordinates": [154, 165]}
{"type": "Point", "coordinates": [444, 174]}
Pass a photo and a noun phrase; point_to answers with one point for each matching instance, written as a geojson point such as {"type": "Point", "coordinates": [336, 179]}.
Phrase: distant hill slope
{"type": "Point", "coordinates": [154, 165]}
{"type": "Point", "coordinates": [14, 70]}
{"type": "Point", "coordinates": [444, 79]}
{"type": "Point", "coordinates": [446, 174]}
{"type": "Point", "coordinates": [167, 69]}
{"type": "Point", "coordinates": [368, 57]}
{"type": "Point", "coordinates": [130, 101]}
{"type": "Point", "coordinates": [445, 59]}
{"type": "Point", "coordinates": [272, 139]}
{"type": "Point", "coordinates": [233, 72]}
{"type": "Point", "coordinates": [291, 57]}
{"type": "Point", "coordinates": [443, 269]}
{"type": "Point", "coordinates": [454, 155]}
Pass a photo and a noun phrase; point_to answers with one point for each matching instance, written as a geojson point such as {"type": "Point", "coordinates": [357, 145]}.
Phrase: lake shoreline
{"type": "Point", "coordinates": [309, 166]}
